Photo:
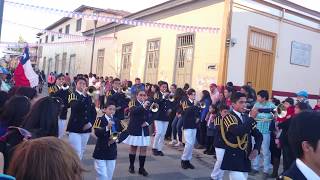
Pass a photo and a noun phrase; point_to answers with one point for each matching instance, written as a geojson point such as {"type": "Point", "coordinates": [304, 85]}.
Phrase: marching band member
{"type": "Point", "coordinates": [105, 151]}
{"type": "Point", "coordinates": [236, 132]}
{"type": "Point", "coordinates": [61, 90]}
{"type": "Point", "coordinates": [190, 116]}
{"type": "Point", "coordinates": [139, 131]}
{"type": "Point", "coordinates": [83, 113]}
{"type": "Point", "coordinates": [219, 144]}
{"type": "Point", "coordinates": [162, 120]}
{"type": "Point", "coordinates": [116, 95]}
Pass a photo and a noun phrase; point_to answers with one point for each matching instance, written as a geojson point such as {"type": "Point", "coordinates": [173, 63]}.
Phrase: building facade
{"type": "Point", "coordinates": [271, 43]}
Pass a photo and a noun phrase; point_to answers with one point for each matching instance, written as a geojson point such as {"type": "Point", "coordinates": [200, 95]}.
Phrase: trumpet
{"type": "Point", "coordinates": [91, 90]}
{"type": "Point", "coordinates": [65, 86]}
{"type": "Point", "coordinates": [114, 136]}
{"type": "Point", "coordinates": [154, 107]}
{"type": "Point", "coordinates": [171, 97]}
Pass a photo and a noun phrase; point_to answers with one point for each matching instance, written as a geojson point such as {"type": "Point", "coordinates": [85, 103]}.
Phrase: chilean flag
{"type": "Point", "coordinates": [24, 74]}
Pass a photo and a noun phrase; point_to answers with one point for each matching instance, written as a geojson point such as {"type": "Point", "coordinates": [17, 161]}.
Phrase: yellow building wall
{"type": "Point", "coordinates": [206, 49]}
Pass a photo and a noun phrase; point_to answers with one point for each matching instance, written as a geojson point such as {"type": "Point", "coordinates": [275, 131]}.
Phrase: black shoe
{"type": "Point", "coordinates": [143, 172]}
{"type": "Point", "coordinates": [189, 165]}
{"type": "Point", "coordinates": [131, 170]}
{"type": "Point", "coordinates": [160, 153]}
{"type": "Point", "coordinates": [253, 172]}
{"type": "Point", "coordinates": [155, 152]}
{"type": "Point", "coordinates": [183, 164]}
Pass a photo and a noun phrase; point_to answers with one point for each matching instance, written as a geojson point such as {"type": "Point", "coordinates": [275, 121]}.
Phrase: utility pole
{"type": "Point", "coordinates": [1, 15]}
{"type": "Point", "coordinates": [93, 41]}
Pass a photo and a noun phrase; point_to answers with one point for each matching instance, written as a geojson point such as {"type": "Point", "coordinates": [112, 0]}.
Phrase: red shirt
{"type": "Point", "coordinates": [317, 108]}
{"type": "Point", "coordinates": [290, 113]}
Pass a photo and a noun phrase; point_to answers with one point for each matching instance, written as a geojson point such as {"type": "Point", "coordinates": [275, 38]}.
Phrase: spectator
{"type": "Point", "coordinates": [4, 96]}
{"type": "Point", "coordinates": [251, 98]}
{"type": "Point", "coordinates": [202, 126]}
{"type": "Point", "coordinates": [13, 113]}
{"type": "Point", "coordinates": [137, 86]}
{"type": "Point", "coordinates": [302, 96]}
{"type": "Point", "coordinates": [3, 75]}
{"type": "Point", "coordinates": [41, 121]}
{"type": "Point", "coordinates": [317, 106]}
{"type": "Point", "coordinates": [51, 79]}
{"type": "Point", "coordinates": [45, 158]}
{"type": "Point", "coordinates": [214, 93]}
{"type": "Point", "coordinates": [300, 107]}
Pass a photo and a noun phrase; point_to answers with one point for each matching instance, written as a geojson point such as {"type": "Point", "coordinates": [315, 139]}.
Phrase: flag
{"type": "Point", "coordinates": [24, 74]}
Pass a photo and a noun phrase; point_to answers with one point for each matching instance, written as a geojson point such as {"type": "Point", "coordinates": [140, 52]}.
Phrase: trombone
{"type": "Point", "coordinates": [154, 107]}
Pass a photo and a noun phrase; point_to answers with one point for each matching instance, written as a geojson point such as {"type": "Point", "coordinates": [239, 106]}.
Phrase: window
{"type": "Point", "coordinates": [60, 32]}
{"type": "Point", "coordinates": [78, 28]}
{"type": "Point", "coordinates": [100, 61]}
{"type": "Point", "coordinates": [184, 59]}
{"type": "Point", "coordinates": [64, 62]}
{"type": "Point", "coordinates": [126, 56]}
{"type": "Point", "coordinates": [52, 38]}
{"type": "Point", "coordinates": [152, 61]}
{"type": "Point", "coordinates": [67, 29]}
{"type": "Point", "coordinates": [44, 63]}
{"type": "Point", "coordinates": [40, 41]}
{"type": "Point", "coordinates": [153, 54]}
{"type": "Point", "coordinates": [184, 49]}
{"type": "Point", "coordinates": [57, 62]}
{"type": "Point", "coordinates": [46, 39]}
{"type": "Point", "coordinates": [126, 61]}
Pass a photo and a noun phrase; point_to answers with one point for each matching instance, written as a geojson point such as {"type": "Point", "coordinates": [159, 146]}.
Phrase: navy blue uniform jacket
{"type": "Point", "coordinates": [236, 159]}
{"type": "Point", "coordinates": [138, 115]}
{"type": "Point", "coordinates": [102, 150]}
{"type": "Point", "coordinates": [82, 112]}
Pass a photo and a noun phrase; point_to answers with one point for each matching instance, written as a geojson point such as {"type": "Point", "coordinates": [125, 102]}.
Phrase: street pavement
{"type": "Point", "coordinates": [159, 167]}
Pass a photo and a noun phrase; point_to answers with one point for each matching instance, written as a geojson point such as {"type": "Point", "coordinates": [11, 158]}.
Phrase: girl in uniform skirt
{"type": "Point", "coordinates": [139, 131]}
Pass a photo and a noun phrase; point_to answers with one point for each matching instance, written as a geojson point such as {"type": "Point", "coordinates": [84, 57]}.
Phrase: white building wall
{"type": "Point", "coordinates": [287, 77]}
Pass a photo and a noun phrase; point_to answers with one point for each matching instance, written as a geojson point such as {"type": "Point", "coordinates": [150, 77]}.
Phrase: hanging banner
{"type": "Point", "coordinates": [110, 19]}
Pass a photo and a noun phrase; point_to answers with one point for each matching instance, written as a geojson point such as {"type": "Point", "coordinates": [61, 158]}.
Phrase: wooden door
{"type": "Point", "coordinates": [260, 59]}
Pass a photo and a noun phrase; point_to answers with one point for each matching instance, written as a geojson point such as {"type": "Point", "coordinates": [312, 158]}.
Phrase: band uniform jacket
{"type": "Point", "coordinates": [82, 112]}
{"type": "Point", "coordinates": [138, 115]}
{"type": "Point", "coordinates": [218, 141]}
{"type": "Point", "coordinates": [237, 158]}
{"type": "Point", "coordinates": [102, 150]}
{"type": "Point", "coordinates": [121, 102]}
{"type": "Point", "coordinates": [190, 114]}
{"type": "Point", "coordinates": [293, 173]}
{"type": "Point", "coordinates": [164, 108]}
{"type": "Point", "coordinates": [63, 95]}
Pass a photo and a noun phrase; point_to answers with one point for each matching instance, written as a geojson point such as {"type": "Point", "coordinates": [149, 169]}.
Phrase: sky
{"type": "Point", "coordinates": [11, 32]}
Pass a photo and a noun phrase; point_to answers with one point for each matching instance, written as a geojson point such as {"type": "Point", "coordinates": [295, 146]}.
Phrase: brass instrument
{"type": "Point", "coordinates": [65, 86]}
{"type": "Point", "coordinates": [154, 107]}
{"type": "Point", "coordinates": [201, 104]}
{"type": "Point", "coordinates": [171, 97]}
{"type": "Point", "coordinates": [281, 111]}
{"type": "Point", "coordinates": [91, 90]}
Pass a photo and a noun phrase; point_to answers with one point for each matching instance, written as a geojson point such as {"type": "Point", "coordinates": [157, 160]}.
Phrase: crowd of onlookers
{"type": "Point", "coordinates": [24, 116]}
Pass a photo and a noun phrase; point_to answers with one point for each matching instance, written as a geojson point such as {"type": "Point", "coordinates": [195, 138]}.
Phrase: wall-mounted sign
{"type": "Point", "coordinates": [300, 54]}
{"type": "Point", "coordinates": [212, 67]}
